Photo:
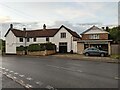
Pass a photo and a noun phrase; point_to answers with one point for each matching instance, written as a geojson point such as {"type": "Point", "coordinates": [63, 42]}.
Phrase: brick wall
{"type": "Point", "coordinates": [103, 36]}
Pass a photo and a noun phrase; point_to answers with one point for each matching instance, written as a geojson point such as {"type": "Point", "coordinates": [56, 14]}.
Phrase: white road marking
{"type": "Point", "coordinates": [117, 78]}
{"type": "Point", "coordinates": [49, 87]}
{"type": "Point", "coordinates": [9, 75]}
{"type": "Point", "coordinates": [29, 78]}
{"type": "Point", "coordinates": [29, 86]}
{"type": "Point", "coordinates": [39, 83]}
{"type": "Point", "coordinates": [74, 64]}
{"type": "Point", "coordinates": [11, 71]}
{"type": "Point", "coordinates": [65, 68]}
{"type": "Point", "coordinates": [15, 73]}
{"type": "Point", "coordinates": [3, 68]}
{"type": "Point", "coordinates": [6, 70]}
{"type": "Point", "coordinates": [21, 75]}
{"type": "Point", "coordinates": [15, 77]}
{"type": "Point", "coordinates": [21, 81]}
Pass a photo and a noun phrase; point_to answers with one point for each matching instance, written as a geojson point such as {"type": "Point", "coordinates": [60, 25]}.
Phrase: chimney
{"type": "Point", "coordinates": [24, 29]}
{"type": "Point", "coordinates": [11, 26]}
{"type": "Point", "coordinates": [103, 28]}
{"type": "Point", "coordinates": [107, 28]}
{"type": "Point", "coordinates": [44, 26]}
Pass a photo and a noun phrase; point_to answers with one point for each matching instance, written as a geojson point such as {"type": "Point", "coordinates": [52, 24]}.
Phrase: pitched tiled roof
{"type": "Point", "coordinates": [93, 28]}
{"type": "Point", "coordinates": [40, 32]}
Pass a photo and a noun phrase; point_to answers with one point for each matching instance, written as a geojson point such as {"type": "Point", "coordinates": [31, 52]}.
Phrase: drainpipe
{"type": "Point", "coordinates": [25, 40]}
{"type": "Point", "coordinates": [71, 45]}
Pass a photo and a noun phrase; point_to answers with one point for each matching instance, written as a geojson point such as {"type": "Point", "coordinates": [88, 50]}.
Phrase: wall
{"type": "Point", "coordinates": [68, 39]}
{"type": "Point", "coordinates": [38, 40]}
{"type": "Point", "coordinates": [37, 53]}
{"type": "Point", "coordinates": [10, 43]}
{"type": "Point", "coordinates": [80, 48]}
{"type": "Point", "coordinates": [14, 41]}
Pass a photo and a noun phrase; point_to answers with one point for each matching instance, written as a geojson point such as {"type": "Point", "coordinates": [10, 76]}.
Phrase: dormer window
{"type": "Point", "coordinates": [94, 36]}
{"type": "Point", "coordinates": [63, 35]}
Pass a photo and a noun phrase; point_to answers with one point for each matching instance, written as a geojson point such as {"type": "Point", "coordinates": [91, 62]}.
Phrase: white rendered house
{"type": "Point", "coordinates": [64, 38]}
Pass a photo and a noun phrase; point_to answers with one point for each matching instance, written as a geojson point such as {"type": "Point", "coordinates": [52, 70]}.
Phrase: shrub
{"type": "Point", "coordinates": [47, 46]}
{"type": "Point", "coordinates": [20, 48]}
{"type": "Point", "coordinates": [34, 47]}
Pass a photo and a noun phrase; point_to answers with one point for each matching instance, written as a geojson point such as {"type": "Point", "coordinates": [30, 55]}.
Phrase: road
{"type": "Point", "coordinates": [54, 72]}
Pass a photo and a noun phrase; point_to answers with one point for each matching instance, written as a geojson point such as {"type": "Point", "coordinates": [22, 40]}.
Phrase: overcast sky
{"type": "Point", "coordinates": [75, 15]}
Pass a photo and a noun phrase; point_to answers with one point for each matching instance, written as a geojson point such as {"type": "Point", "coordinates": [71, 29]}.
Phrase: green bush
{"type": "Point", "coordinates": [41, 47]}
{"type": "Point", "coordinates": [33, 47]}
{"type": "Point", "coordinates": [20, 48]}
{"type": "Point", "coordinates": [47, 46]}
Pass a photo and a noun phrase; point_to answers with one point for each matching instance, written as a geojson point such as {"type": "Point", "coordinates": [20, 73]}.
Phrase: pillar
{"type": "Point", "coordinates": [109, 48]}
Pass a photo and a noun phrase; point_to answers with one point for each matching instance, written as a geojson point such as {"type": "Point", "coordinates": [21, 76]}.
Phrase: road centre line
{"type": "Point", "coordinates": [65, 68]}
{"type": "Point", "coordinates": [74, 64]}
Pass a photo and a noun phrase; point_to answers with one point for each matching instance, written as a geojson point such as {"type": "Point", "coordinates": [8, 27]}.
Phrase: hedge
{"type": "Point", "coordinates": [33, 47]}
{"type": "Point", "coordinates": [38, 47]}
{"type": "Point", "coordinates": [20, 48]}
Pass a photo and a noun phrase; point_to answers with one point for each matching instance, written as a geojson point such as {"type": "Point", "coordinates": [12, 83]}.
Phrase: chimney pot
{"type": "Point", "coordinates": [103, 28]}
{"type": "Point", "coordinates": [24, 29]}
{"type": "Point", "coordinates": [11, 25]}
{"type": "Point", "coordinates": [107, 28]}
{"type": "Point", "coordinates": [44, 26]}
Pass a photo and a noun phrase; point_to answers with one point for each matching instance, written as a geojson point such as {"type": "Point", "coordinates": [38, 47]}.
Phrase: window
{"type": "Point", "coordinates": [47, 39]}
{"type": "Point", "coordinates": [34, 39]}
{"type": "Point", "coordinates": [94, 36]}
{"type": "Point", "coordinates": [28, 39]}
{"type": "Point", "coordinates": [63, 44]}
{"type": "Point", "coordinates": [63, 35]}
{"type": "Point", "coordinates": [21, 39]}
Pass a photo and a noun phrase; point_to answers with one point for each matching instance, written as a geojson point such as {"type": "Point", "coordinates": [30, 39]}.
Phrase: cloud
{"type": "Point", "coordinates": [75, 27]}
{"type": "Point", "coordinates": [71, 13]}
{"type": "Point", "coordinates": [4, 19]}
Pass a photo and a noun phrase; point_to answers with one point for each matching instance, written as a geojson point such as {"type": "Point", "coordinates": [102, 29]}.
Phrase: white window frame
{"type": "Point", "coordinates": [94, 36]}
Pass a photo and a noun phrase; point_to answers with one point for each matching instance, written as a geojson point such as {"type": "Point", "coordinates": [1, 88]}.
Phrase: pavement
{"type": "Point", "coordinates": [87, 58]}
{"type": "Point", "coordinates": [52, 72]}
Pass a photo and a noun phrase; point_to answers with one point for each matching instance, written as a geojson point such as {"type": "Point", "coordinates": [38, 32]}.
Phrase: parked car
{"type": "Point", "coordinates": [95, 51]}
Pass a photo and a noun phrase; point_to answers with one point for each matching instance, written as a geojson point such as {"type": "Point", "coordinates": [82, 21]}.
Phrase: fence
{"type": "Point", "coordinates": [115, 49]}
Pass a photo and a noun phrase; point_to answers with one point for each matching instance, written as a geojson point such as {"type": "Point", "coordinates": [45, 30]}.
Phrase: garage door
{"type": "Point", "coordinates": [63, 47]}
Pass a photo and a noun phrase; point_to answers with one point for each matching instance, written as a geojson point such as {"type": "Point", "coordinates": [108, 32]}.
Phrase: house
{"type": "Point", "coordinates": [64, 38]}
{"type": "Point", "coordinates": [94, 37]}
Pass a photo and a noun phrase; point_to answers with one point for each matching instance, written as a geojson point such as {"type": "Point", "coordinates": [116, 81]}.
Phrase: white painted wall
{"type": "Point", "coordinates": [38, 40]}
{"type": "Point", "coordinates": [57, 38]}
{"type": "Point", "coordinates": [10, 43]}
{"type": "Point", "coordinates": [13, 42]}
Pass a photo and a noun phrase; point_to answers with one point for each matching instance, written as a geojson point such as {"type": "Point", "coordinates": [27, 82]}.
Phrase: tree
{"type": "Point", "coordinates": [114, 34]}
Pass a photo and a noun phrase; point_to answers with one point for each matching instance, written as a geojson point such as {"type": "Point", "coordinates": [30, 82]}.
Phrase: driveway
{"type": "Point", "coordinates": [50, 71]}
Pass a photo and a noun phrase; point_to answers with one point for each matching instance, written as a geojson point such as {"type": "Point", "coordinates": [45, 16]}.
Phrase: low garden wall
{"type": "Point", "coordinates": [37, 53]}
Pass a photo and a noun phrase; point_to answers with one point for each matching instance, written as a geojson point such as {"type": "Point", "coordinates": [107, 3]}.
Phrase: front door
{"type": "Point", "coordinates": [63, 47]}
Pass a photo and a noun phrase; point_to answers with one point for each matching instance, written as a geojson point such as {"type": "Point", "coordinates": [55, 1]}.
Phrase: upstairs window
{"type": "Point", "coordinates": [47, 39]}
{"type": "Point", "coordinates": [28, 39]}
{"type": "Point", "coordinates": [63, 35]}
{"type": "Point", "coordinates": [94, 36]}
{"type": "Point", "coordinates": [20, 39]}
{"type": "Point", "coordinates": [34, 39]}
